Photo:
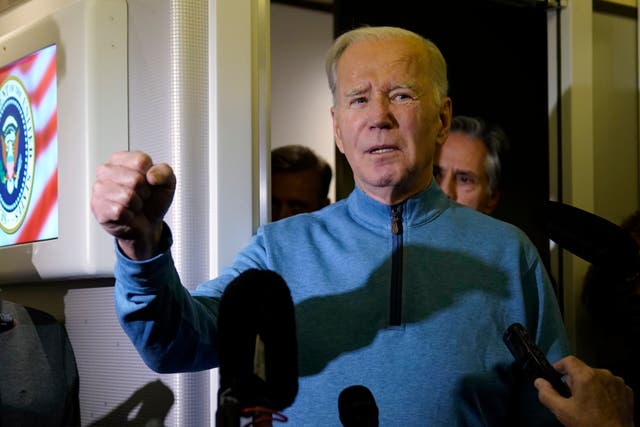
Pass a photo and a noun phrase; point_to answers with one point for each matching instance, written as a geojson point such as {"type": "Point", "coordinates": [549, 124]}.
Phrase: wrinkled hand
{"type": "Point", "coordinates": [130, 197]}
{"type": "Point", "coordinates": [598, 398]}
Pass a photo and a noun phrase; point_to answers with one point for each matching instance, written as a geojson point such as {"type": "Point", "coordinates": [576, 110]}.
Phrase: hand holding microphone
{"type": "Point", "coordinates": [598, 397]}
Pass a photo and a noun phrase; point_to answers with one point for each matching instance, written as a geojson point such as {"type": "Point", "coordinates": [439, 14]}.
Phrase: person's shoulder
{"type": "Point", "coordinates": [487, 224]}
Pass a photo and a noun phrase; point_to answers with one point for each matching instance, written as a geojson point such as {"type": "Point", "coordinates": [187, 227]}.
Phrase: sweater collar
{"type": "Point", "coordinates": [419, 209]}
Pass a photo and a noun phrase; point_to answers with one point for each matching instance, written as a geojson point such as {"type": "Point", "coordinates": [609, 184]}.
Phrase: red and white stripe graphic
{"type": "Point", "coordinates": [37, 73]}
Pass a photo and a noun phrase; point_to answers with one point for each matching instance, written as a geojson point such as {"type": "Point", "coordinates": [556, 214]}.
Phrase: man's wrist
{"type": "Point", "coordinates": [160, 240]}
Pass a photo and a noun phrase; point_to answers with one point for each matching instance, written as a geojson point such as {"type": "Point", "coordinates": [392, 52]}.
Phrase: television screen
{"type": "Point", "coordinates": [28, 136]}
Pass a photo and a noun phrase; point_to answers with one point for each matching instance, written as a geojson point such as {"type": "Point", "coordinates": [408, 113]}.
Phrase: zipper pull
{"type": "Point", "coordinates": [396, 219]}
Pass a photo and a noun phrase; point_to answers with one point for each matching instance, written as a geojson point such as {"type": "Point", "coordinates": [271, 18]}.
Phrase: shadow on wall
{"type": "Point", "coordinates": [147, 407]}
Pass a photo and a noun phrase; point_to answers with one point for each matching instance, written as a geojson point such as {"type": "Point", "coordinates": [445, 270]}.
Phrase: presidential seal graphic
{"type": "Point", "coordinates": [18, 154]}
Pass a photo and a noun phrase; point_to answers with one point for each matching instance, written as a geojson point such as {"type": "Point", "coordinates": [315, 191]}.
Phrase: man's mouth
{"type": "Point", "coordinates": [381, 150]}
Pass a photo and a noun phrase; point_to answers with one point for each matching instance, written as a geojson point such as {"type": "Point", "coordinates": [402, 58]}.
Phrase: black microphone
{"type": "Point", "coordinates": [257, 345]}
{"type": "Point", "coordinates": [357, 407]}
{"type": "Point", "coordinates": [602, 243]}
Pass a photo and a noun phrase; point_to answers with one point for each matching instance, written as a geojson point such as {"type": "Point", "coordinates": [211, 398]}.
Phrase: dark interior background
{"type": "Point", "coordinates": [496, 53]}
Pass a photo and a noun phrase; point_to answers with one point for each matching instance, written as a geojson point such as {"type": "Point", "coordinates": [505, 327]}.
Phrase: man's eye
{"type": "Point", "coordinates": [466, 179]}
{"type": "Point", "coordinates": [358, 101]}
{"type": "Point", "coordinates": [401, 97]}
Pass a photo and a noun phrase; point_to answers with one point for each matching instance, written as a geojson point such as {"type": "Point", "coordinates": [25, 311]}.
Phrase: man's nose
{"type": "Point", "coordinates": [380, 112]}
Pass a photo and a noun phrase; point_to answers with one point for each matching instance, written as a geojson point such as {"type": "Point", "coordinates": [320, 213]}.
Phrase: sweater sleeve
{"type": "Point", "coordinates": [171, 330]}
{"type": "Point", "coordinates": [545, 324]}
{"type": "Point", "coordinates": [549, 329]}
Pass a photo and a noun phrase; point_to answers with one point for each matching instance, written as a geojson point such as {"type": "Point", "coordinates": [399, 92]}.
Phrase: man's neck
{"type": "Point", "coordinates": [392, 196]}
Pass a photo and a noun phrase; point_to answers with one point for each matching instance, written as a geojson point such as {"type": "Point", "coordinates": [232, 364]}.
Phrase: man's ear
{"type": "Point", "coordinates": [445, 116]}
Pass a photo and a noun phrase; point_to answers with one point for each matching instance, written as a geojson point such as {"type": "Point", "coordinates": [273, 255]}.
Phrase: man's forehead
{"type": "Point", "coordinates": [360, 74]}
{"type": "Point", "coordinates": [392, 53]}
{"type": "Point", "coordinates": [462, 153]}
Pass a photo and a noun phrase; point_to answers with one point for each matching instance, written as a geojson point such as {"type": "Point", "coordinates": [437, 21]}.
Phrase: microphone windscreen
{"type": "Point", "coordinates": [257, 306]}
{"type": "Point", "coordinates": [357, 407]}
{"type": "Point", "coordinates": [602, 243]}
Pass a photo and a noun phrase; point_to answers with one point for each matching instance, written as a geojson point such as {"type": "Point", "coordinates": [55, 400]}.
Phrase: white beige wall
{"type": "Point", "coordinates": [615, 109]}
{"type": "Point", "coordinates": [600, 132]}
{"type": "Point", "coordinates": [299, 91]}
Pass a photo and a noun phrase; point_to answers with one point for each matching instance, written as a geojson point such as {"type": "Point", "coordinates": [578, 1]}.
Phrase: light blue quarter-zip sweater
{"type": "Point", "coordinates": [410, 301]}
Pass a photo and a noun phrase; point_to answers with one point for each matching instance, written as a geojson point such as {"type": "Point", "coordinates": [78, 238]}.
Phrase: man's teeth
{"type": "Point", "coordinates": [381, 150]}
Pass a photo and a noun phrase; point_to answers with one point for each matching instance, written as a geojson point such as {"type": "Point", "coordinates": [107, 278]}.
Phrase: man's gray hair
{"type": "Point", "coordinates": [298, 158]}
{"type": "Point", "coordinates": [494, 139]}
{"type": "Point", "coordinates": [437, 65]}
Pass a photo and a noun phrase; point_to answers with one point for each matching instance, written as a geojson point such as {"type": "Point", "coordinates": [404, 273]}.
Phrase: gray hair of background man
{"type": "Point", "coordinates": [297, 158]}
{"type": "Point", "coordinates": [493, 137]}
{"type": "Point", "coordinates": [437, 65]}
